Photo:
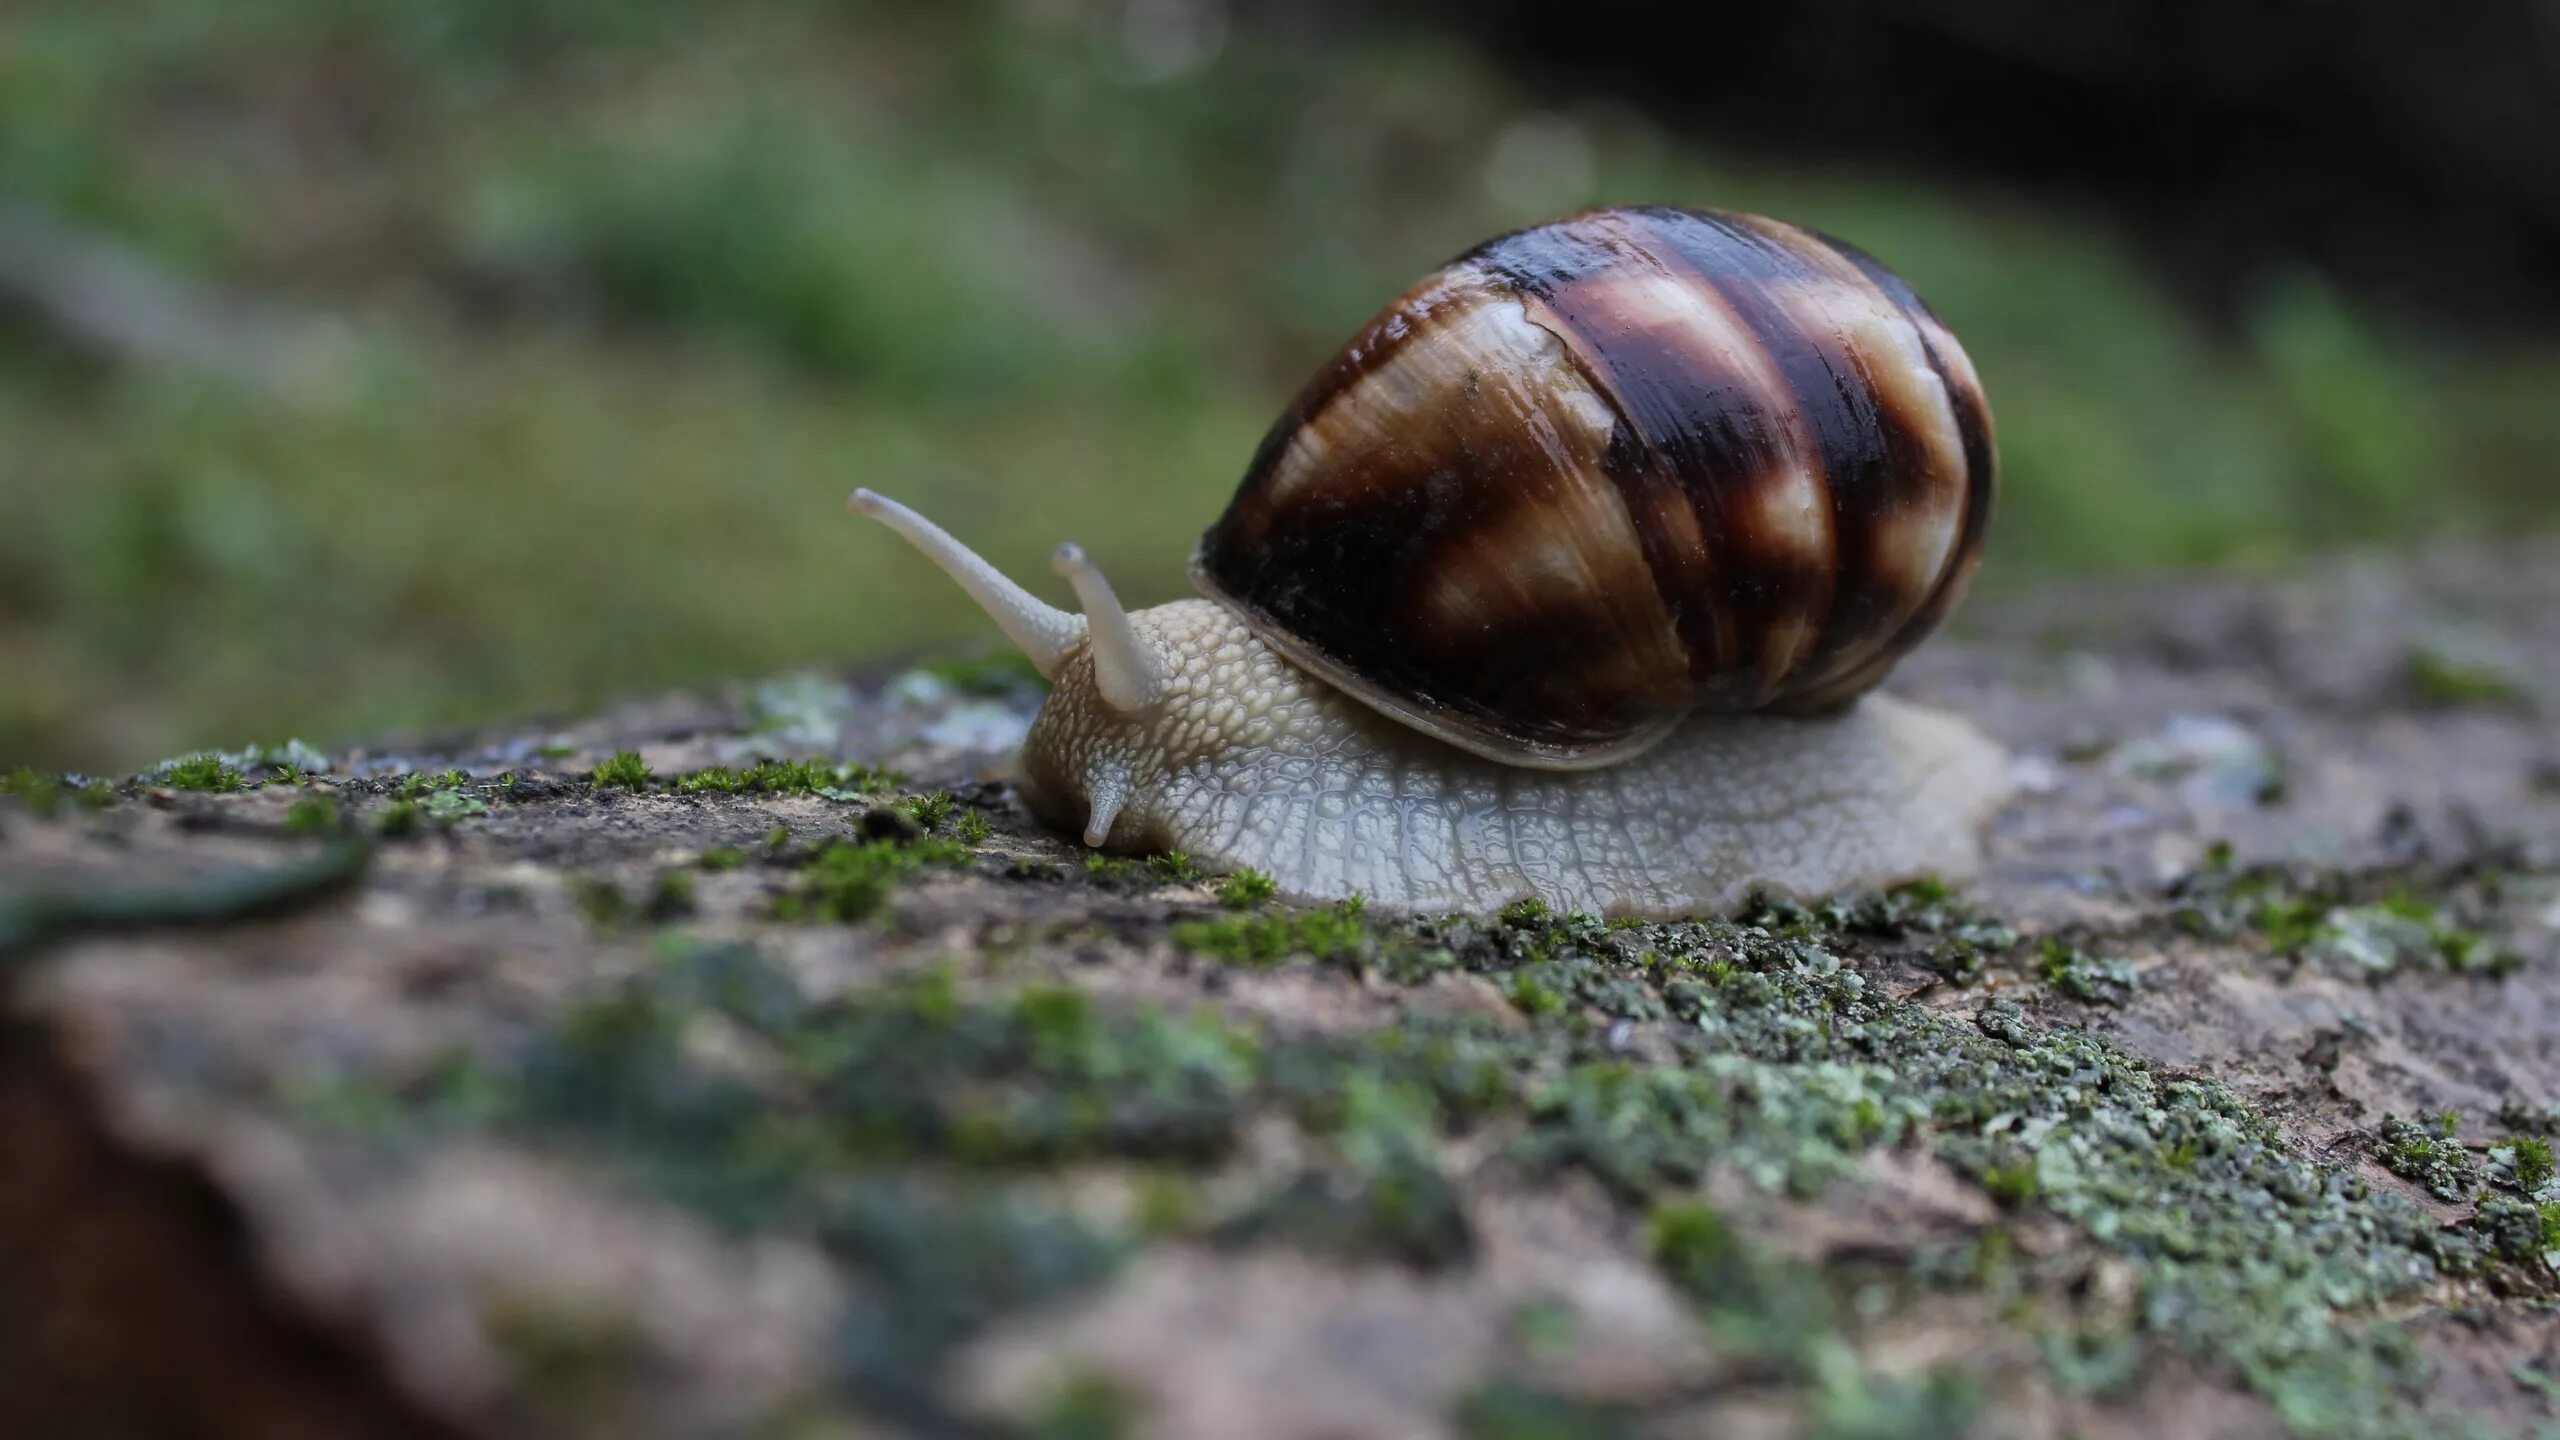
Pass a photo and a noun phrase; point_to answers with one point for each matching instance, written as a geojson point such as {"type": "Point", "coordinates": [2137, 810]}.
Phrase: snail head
{"type": "Point", "coordinates": [1112, 672]}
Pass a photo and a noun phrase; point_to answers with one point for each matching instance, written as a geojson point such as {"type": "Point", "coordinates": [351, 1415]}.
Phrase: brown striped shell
{"type": "Point", "coordinates": [1601, 472]}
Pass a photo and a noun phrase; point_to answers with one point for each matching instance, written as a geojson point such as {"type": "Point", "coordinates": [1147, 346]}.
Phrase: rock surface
{"type": "Point", "coordinates": [384, 1099]}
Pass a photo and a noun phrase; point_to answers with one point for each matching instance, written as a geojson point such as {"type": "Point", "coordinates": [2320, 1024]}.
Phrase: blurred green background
{"type": "Point", "coordinates": [385, 364]}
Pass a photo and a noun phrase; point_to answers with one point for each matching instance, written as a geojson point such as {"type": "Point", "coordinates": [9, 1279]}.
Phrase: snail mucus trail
{"type": "Point", "coordinates": [1571, 577]}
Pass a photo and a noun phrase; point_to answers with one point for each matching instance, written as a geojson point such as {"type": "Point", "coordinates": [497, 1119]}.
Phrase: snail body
{"type": "Point", "coordinates": [1569, 578]}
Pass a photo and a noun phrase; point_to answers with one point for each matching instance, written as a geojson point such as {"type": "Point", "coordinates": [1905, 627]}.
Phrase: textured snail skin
{"type": "Point", "coordinates": [1248, 761]}
{"type": "Point", "coordinates": [1596, 473]}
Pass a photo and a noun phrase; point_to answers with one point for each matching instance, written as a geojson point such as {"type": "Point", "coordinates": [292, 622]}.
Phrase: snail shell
{"type": "Point", "coordinates": [1598, 473]}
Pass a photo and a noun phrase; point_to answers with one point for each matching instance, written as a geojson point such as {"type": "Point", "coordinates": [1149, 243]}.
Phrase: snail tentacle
{"type": "Point", "coordinates": [1127, 670]}
{"type": "Point", "coordinates": [1041, 631]}
{"type": "Point", "coordinates": [1109, 791]}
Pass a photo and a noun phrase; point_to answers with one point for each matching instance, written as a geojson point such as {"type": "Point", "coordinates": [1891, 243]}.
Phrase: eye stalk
{"type": "Point", "coordinates": [1039, 630]}
{"type": "Point", "coordinates": [1126, 669]}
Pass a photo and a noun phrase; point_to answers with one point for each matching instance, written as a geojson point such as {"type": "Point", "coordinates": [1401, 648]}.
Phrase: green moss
{"type": "Point", "coordinates": [624, 769]}
{"type": "Point", "coordinates": [973, 828]}
{"type": "Point", "coordinates": [722, 857]}
{"type": "Point", "coordinates": [1527, 910]}
{"type": "Point", "coordinates": [1127, 873]}
{"type": "Point", "coordinates": [418, 785]}
{"type": "Point", "coordinates": [1851, 1405]}
{"type": "Point", "coordinates": [1339, 935]}
{"type": "Point", "coordinates": [2250, 1253]}
{"type": "Point", "coordinates": [44, 795]}
{"type": "Point", "coordinates": [39, 793]}
{"type": "Point", "coordinates": [442, 796]}
{"type": "Point", "coordinates": [2531, 1163]}
{"type": "Point", "coordinates": [1640, 1128]}
{"type": "Point", "coordinates": [911, 1071]}
{"type": "Point", "coordinates": [2289, 923]}
{"type": "Point", "coordinates": [227, 770]}
{"type": "Point", "coordinates": [667, 897]}
{"type": "Point", "coordinates": [1543, 1327]}
{"type": "Point", "coordinates": [1086, 1407]}
{"type": "Point", "coordinates": [314, 815]}
{"type": "Point", "coordinates": [802, 1144]}
{"type": "Point", "coordinates": [1784, 1315]}
{"type": "Point", "coordinates": [2010, 1184]}
{"type": "Point", "coordinates": [781, 777]}
{"type": "Point", "coordinates": [400, 817]}
{"type": "Point", "coordinates": [1167, 1204]}
{"type": "Point", "coordinates": [199, 772]}
{"type": "Point", "coordinates": [1408, 1214]}
{"type": "Point", "coordinates": [1959, 940]}
{"type": "Point", "coordinates": [602, 902]}
{"type": "Point", "coordinates": [567, 1359]}
{"type": "Point", "coordinates": [938, 1264]}
{"type": "Point", "coordinates": [1173, 867]}
{"type": "Point", "coordinates": [846, 882]}
{"type": "Point", "coordinates": [931, 811]}
{"type": "Point", "coordinates": [1923, 907]}
{"type": "Point", "coordinates": [711, 780]}
{"type": "Point", "coordinates": [2441, 677]}
{"type": "Point", "coordinates": [1697, 1250]}
{"type": "Point", "coordinates": [670, 897]}
{"type": "Point", "coordinates": [353, 1105]}
{"type": "Point", "coordinates": [1383, 1194]}
{"type": "Point", "coordinates": [1245, 889]}
{"type": "Point", "coordinates": [1532, 996]}
{"type": "Point", "coordinates": [1777, 1066]}
{"type": "Point", "coordinates": [1512, 1410]}
{"type": "Point", "coordinates": [2104, 1362]}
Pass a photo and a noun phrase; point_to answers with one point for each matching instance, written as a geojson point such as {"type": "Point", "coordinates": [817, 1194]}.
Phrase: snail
{"type": "Point", "coordinates": [1571, 577]}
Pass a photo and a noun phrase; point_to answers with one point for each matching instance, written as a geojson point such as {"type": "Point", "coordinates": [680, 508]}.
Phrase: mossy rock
{"type": "Point", "coordinates": [663, 1076]}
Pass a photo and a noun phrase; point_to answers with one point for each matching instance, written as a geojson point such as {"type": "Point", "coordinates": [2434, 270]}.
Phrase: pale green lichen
{"type": "Point", "coordinates": [1773, 1060]}
{"type": "Point", "coordinates": [2085, 977]}
{"type": "Point", "coordinates": [2430, 1155]}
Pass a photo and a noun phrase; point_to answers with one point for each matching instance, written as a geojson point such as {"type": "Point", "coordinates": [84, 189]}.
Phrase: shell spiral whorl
{"type": "Point", "coordinates": [1595, 474]}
